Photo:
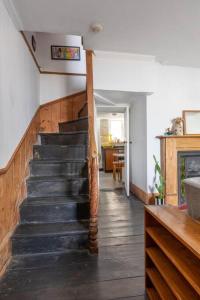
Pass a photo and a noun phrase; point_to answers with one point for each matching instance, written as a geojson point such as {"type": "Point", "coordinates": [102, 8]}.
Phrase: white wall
{"type": "Point", "coordinates": [178, 89]}
{"type": "Point", "coordinates": [124, 72]}
{"type": "Point", "coordinates": [19, 87]}
{"type": "Point", "coordinates": [173, 90]}
{"type": "Point", "coordinates": [57, 86]}
{"type": "Point", "coordinates": [44, 42]}
{"type": "Point", "coordinates": [138, 148]}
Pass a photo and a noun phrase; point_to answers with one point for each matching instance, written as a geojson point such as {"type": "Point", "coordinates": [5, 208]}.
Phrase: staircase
{"type": "Point", "coordinates": [55, 215]}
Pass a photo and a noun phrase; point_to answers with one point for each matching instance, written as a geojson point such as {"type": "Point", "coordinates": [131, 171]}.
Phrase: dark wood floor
{"type": "Point", "coordinates": [117, 273]}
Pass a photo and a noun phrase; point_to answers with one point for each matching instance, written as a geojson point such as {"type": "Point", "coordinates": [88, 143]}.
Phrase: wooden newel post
{"type": "Point", "coordinates": [92, 159]}
{"type": "Point", "coordinates": [94, 203]}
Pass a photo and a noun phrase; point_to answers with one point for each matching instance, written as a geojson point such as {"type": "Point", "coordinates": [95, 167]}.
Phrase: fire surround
{"type": "Point", "coordinates": [170, 146]}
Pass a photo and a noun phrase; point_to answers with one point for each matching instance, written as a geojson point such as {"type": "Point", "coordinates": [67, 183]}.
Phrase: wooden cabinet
{"type": "Point", "coordinates": [172, 254]}
{"type": "Point", "coordinates": [107, 157]}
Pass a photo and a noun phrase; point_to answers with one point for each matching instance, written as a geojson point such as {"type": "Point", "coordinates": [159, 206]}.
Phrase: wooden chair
{"type": "Point", "coordinates": [117, 169]}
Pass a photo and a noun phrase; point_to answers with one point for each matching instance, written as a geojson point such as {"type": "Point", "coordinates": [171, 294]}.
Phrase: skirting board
{"type": "Point", "coordinates": [147, 198]}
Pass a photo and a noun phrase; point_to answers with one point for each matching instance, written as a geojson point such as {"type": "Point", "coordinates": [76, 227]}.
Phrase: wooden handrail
{"type": "Point", "coordinates": [92, 159]}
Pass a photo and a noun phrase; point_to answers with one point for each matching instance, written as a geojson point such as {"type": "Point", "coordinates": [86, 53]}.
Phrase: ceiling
{"type": "Point", "coordinates": [168, 30]}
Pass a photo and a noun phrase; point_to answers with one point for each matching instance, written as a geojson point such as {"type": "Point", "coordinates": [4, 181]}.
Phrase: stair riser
{"type": "Point", "coordinates": [57, 188]}
{"type": "Point", "coordinates": [57, 169]}
{"type": "Point", "coordinates": [78, 126]}
{"type": "Point", "coordinates": [54, 213]}
{"type": "Point", "coordinates": [64, 139]}
{"type": "Point", "coordinates": [47, 244]}
{"type": "Point", "coordinates": [59, 152]}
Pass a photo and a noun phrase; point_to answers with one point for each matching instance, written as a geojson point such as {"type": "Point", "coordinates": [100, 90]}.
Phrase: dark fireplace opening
{"type": "Point", "coordinates": [188, 166]}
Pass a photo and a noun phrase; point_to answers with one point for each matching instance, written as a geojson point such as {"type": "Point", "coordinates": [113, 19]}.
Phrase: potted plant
{"type": "Point", "coordinates": [159, 184]}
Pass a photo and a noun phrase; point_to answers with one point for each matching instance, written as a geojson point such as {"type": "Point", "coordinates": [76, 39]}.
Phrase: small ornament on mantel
{"type": "Point", "coordinates": [177, 126]}
{"type": "Point", "coordinates": [168, 131]}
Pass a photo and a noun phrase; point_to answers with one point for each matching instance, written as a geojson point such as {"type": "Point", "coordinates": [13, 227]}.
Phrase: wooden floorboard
{"type": "Point", "coordinates": [117, 273]}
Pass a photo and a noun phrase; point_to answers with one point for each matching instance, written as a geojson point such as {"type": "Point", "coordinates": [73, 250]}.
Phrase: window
{"type": "Point", "coordinates": [116, 129]}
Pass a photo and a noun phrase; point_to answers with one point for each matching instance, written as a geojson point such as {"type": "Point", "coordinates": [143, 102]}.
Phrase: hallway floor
{"type": "Point", "coordinates": [117, 273]}
{"type": "Point", "coordinates": [107, 183]}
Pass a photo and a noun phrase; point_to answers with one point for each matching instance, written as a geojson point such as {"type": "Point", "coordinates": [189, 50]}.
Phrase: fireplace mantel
{"type": "Point", "coordinates": [169, 148]}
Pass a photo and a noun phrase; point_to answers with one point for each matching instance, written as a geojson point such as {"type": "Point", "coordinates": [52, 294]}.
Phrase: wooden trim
{"type": "Point", "coordinates": [63, 98]}
{"type": "Point", "coordinates": [147, 198]}
{"type": "Point", "coordinates": [62, 73]}
{"type": "Point", "coordinates": [30, 50]}
{"type": "Point", "coordinates": [4, 170]}
{"type": "Point", "coordinates": [3, 269]}
{"type": "Point", "coordinates": [38, 66]}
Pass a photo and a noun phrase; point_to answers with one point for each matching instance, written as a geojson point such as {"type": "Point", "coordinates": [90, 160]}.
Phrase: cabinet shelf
{"type": "Point", "coordinates": [178, 285]}
{"type": "Point", "coordinates": [182, 259]}
{"type": "Point", "coordinates": [152, 294]}
{"type": "Point", "coordinates": [162, 289]}
{"type": "Point", "coordinates": [172, 250]}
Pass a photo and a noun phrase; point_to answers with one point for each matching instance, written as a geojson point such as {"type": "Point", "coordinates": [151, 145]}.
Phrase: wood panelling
{"type": "Point", "coordinates": [170, 146]}
{"type": "Point", "coordinates": [13, 176]}
{"type": "Point", "coordinates": [13, 190]}
{"type": "Point", "coordinates": [61, 110]}
{"type": "Point", "coordinates": [147, 198]}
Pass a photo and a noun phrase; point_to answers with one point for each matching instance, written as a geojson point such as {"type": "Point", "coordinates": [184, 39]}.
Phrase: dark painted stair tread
{"type": "Point", "coordinates": [65, 138]}
{"type": "Point", "coordinates": [50, 229]}
{"type": "Point", "coordinates": [52, 146]}
{"type": "Point", "coordinates": [64, 133]}
{"type": "Point", "coordinates": [56, 161]}
{"type": "Point", "coordinates": [54, 200]}
{"type": "Point", "coordinates": [55, 178]}
{"type": "Point", "coordinates": [60, 152]}
{"type": "Point", "coordinates": [35, 261]}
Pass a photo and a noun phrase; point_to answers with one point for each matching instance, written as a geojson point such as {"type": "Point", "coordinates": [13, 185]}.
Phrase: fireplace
{"type": "Point", "coordinates": [188, 166]}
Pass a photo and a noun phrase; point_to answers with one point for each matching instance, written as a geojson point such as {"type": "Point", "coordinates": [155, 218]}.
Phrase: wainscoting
{"type": "Point", "coordinates": [61, 110]}
{"type": "Point", "coordinates": [13, 176]}
{"type": "Point", "coordinates": [13, 189]}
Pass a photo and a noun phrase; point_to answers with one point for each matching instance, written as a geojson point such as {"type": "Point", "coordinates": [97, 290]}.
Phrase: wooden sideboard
{"type": "Point", "coordinates": [107, 157]}
{"type": "Point", "coordinates": [169, 148]}
{"type": "Point", "coordinates": [172, 254]}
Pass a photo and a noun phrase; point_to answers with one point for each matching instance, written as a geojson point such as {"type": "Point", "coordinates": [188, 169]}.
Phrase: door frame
{"type": "Point", "coordinates": [126, 112]}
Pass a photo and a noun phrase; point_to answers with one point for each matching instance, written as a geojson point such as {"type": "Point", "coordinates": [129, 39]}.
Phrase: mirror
{"type": "Point", "coordinates": [191, 120]}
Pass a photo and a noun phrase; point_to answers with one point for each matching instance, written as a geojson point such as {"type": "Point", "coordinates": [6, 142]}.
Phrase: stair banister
{"type": "Point", "coordinates": [92, 159]}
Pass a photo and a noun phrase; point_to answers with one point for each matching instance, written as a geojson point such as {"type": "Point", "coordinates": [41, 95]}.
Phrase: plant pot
{"type": "Point", "coordinates": [159, 201]}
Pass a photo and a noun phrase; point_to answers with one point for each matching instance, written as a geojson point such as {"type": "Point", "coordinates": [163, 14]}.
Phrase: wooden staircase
{"type": "Point", "coordinates": [55, 215]}
{"type": "Point", "coordinates": [60, 212]}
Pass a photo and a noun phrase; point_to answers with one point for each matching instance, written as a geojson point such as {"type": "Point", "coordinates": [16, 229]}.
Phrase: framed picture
{"type": "Point", "coordinates": [191, 120]}
{"type": "Point", "coordinates": [65, 53]}
{"type": "Point", "coordinates": [33, 42]}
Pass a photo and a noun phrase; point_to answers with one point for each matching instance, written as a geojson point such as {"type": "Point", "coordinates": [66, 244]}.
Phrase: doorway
{"type": "Point", "coordinates": [113, 147]}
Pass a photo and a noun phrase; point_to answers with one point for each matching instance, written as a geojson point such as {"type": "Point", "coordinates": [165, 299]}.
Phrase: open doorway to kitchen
{"type": "Point", "coordinates": [113, 135]}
